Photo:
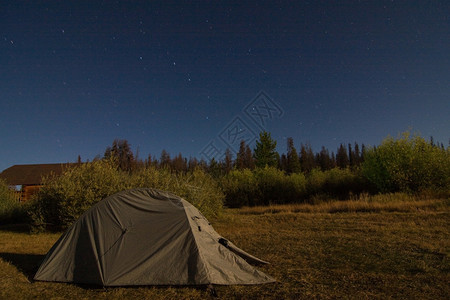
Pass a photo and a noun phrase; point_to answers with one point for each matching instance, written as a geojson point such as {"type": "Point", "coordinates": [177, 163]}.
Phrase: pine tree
{"type": "Point", "coordinates": [307, 162]}
{"type": "Point", "coordinates": [363, 153]}
{"type": "Point", "coordinates": [351, 156]}
{"type": "Point", "coordinates": [265, 153]}
{"type": "Point", "coordinates": [179, 164]}
{"type": "Point", "coordinates": [293, 161]}
{"type": "Point", "coordinates": [121, 152]}
{"type": "Point", "coordinates": [324, 159]}
{"type": "Point", "coordinates": [283, 163]}
{"type": "Point", "coordinates": [214, 168]}
{"type": "Point", "coordinates": [357, 155]}
{"type": "Point", "coordinates": [333, 160]}
{"type": "Point", "coordinates": [240, 156]}
{"type": "Point", "coordinates": [228, 161]}
{"type": "Point", "coordinates": [192, 163]}
{"type": "Point", "coordinates": [342, 160]}
{"type": "Point", "coordinates": [164, 160]}
{"type": "Point", "coordinates": [249, 162]}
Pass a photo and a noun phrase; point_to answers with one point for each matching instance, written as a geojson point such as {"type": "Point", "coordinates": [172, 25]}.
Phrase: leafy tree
{"type": "Point", "coordinates": [265, 153]}
{"type": "Point", "coordinates": [292, 159]}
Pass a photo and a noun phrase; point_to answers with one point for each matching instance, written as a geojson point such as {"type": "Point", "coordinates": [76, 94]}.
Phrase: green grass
{"type": "Point", "coordinates": [392, 249]}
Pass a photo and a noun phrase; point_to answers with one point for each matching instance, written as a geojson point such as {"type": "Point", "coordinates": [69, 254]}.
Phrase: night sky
{"type": "Point", "coordinates": [197, 76]}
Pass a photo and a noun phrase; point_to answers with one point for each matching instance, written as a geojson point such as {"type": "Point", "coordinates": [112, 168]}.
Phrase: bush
{"type": "Point", "coordinates": [197, 187]}
{"type": "Point", "coordinates": [335, 183]}
{"type": "Point", "coordinates": [408, 164]}
{"type": "Point", "coordinates": [11, 211]}
{"type": "Point", "coordinates": [240, 188]}
{"type": "Point", "coordinates": [263, 186]}
{"type": "Point", "coordinates": [342, 183]}
{"type": "Point", "coordinates": [63, 199]}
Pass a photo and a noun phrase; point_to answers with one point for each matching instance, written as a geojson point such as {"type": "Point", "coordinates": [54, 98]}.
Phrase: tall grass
{"type": "Point", "coordinates": [395, 202]}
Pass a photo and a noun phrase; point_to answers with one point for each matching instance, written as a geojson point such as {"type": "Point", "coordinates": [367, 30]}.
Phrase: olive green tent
{"type": "Point", "coordinates": [146, 237]}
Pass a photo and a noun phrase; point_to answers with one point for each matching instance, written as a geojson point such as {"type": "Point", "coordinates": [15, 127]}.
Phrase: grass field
{"type": "Point", "coordinates": [351, 249]}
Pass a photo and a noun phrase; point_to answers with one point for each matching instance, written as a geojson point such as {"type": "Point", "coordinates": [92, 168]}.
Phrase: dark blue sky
{"type": "Point", "coordinates": [187, 76]}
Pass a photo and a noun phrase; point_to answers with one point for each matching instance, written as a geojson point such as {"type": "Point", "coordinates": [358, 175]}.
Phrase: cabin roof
{"type": "Point", "coordinates": [32, 174]}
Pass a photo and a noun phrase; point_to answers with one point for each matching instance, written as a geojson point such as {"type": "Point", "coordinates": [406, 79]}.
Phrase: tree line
{"type": "Point", "coordinates": [264, 154]}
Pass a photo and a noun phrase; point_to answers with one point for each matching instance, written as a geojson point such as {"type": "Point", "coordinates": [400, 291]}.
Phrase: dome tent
{"type": "Point", "coordinates": [146, 237]}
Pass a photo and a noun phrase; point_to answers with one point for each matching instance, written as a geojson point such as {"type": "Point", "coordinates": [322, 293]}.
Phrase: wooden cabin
{"type": "Point", "coordinates": [29, 177]}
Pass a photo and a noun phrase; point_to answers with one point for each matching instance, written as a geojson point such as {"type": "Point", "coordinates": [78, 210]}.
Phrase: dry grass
{"type": "Point", "coordinates": [363, 203]}
{"type": "Point", "coordinates": [395, 251]}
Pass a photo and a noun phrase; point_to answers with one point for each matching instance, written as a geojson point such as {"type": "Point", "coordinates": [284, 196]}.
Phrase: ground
{"type": "Point", "coordinates": [314, 253]}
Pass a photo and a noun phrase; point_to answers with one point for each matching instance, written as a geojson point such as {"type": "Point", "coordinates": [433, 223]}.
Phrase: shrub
{"type": "Point", "coordinates": [263, 186]}
{"type": "Point", "coordinates": [408, 164]}
{"type": "Point", "coordinates": [11, 211]}
{"type": "Point", "coordinates": [63, 199]}
{"type": "Point", "coordinates": [316, 182]}
{"type": "Point", "coordinates": [296, 191]}
{"type": "Point", "coordinates": [240, 188]}
{"type": "Point", "coordinates": [342, 183]}
{"type": "Point", "coordinates": [335, 183]}
{"type": "Point", "coordinates": [197, 187]}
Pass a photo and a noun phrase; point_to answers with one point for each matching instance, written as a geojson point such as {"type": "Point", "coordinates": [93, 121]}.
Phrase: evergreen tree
{"type": "Point", "coordinates": [249, 162]}
{"type": "Point", "coordinates": [306, 158]}
{"type": "Point", "coordinates": [357, 155]}
{"type": "Point", "coordinates": [283, 163]}
{"type": "Point", "coordinates": [324, 159]}
{"type": "Point", "coordinates": [228, 161]}
{"type": "Point", "coordinates": [192, 163]}
{"type": "Point", "coordinates": [240, 156]}
{"type": "Point", "coordinates": [164, 160]}
{"type": "Point", "coordinates": [121, 151]}
{"type": "Point", "coordinates": [351, 156]}
{"type": "Point", "coordinates": [342, 160]}
{"type": "Point", "coordinates": [214, 168]}
{"type": "Point", "coordinates": [363, 153]}
{"type": "Point", "coordinates": [148, 160]}
{"type": "Point", "coordinates": [265, 153]}
{"type": "Point", "coordinates": [293, 161]}
{"type": "Point", "coordinates": [333, 160]}
{"type": "Point", "coordinates": [179, 163]}
{"type": "Point", "coordinates": [203, 164]}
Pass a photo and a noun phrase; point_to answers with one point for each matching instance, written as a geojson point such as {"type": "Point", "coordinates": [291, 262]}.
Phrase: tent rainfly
{"type": "Point", "coordinates": [147, 237]}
